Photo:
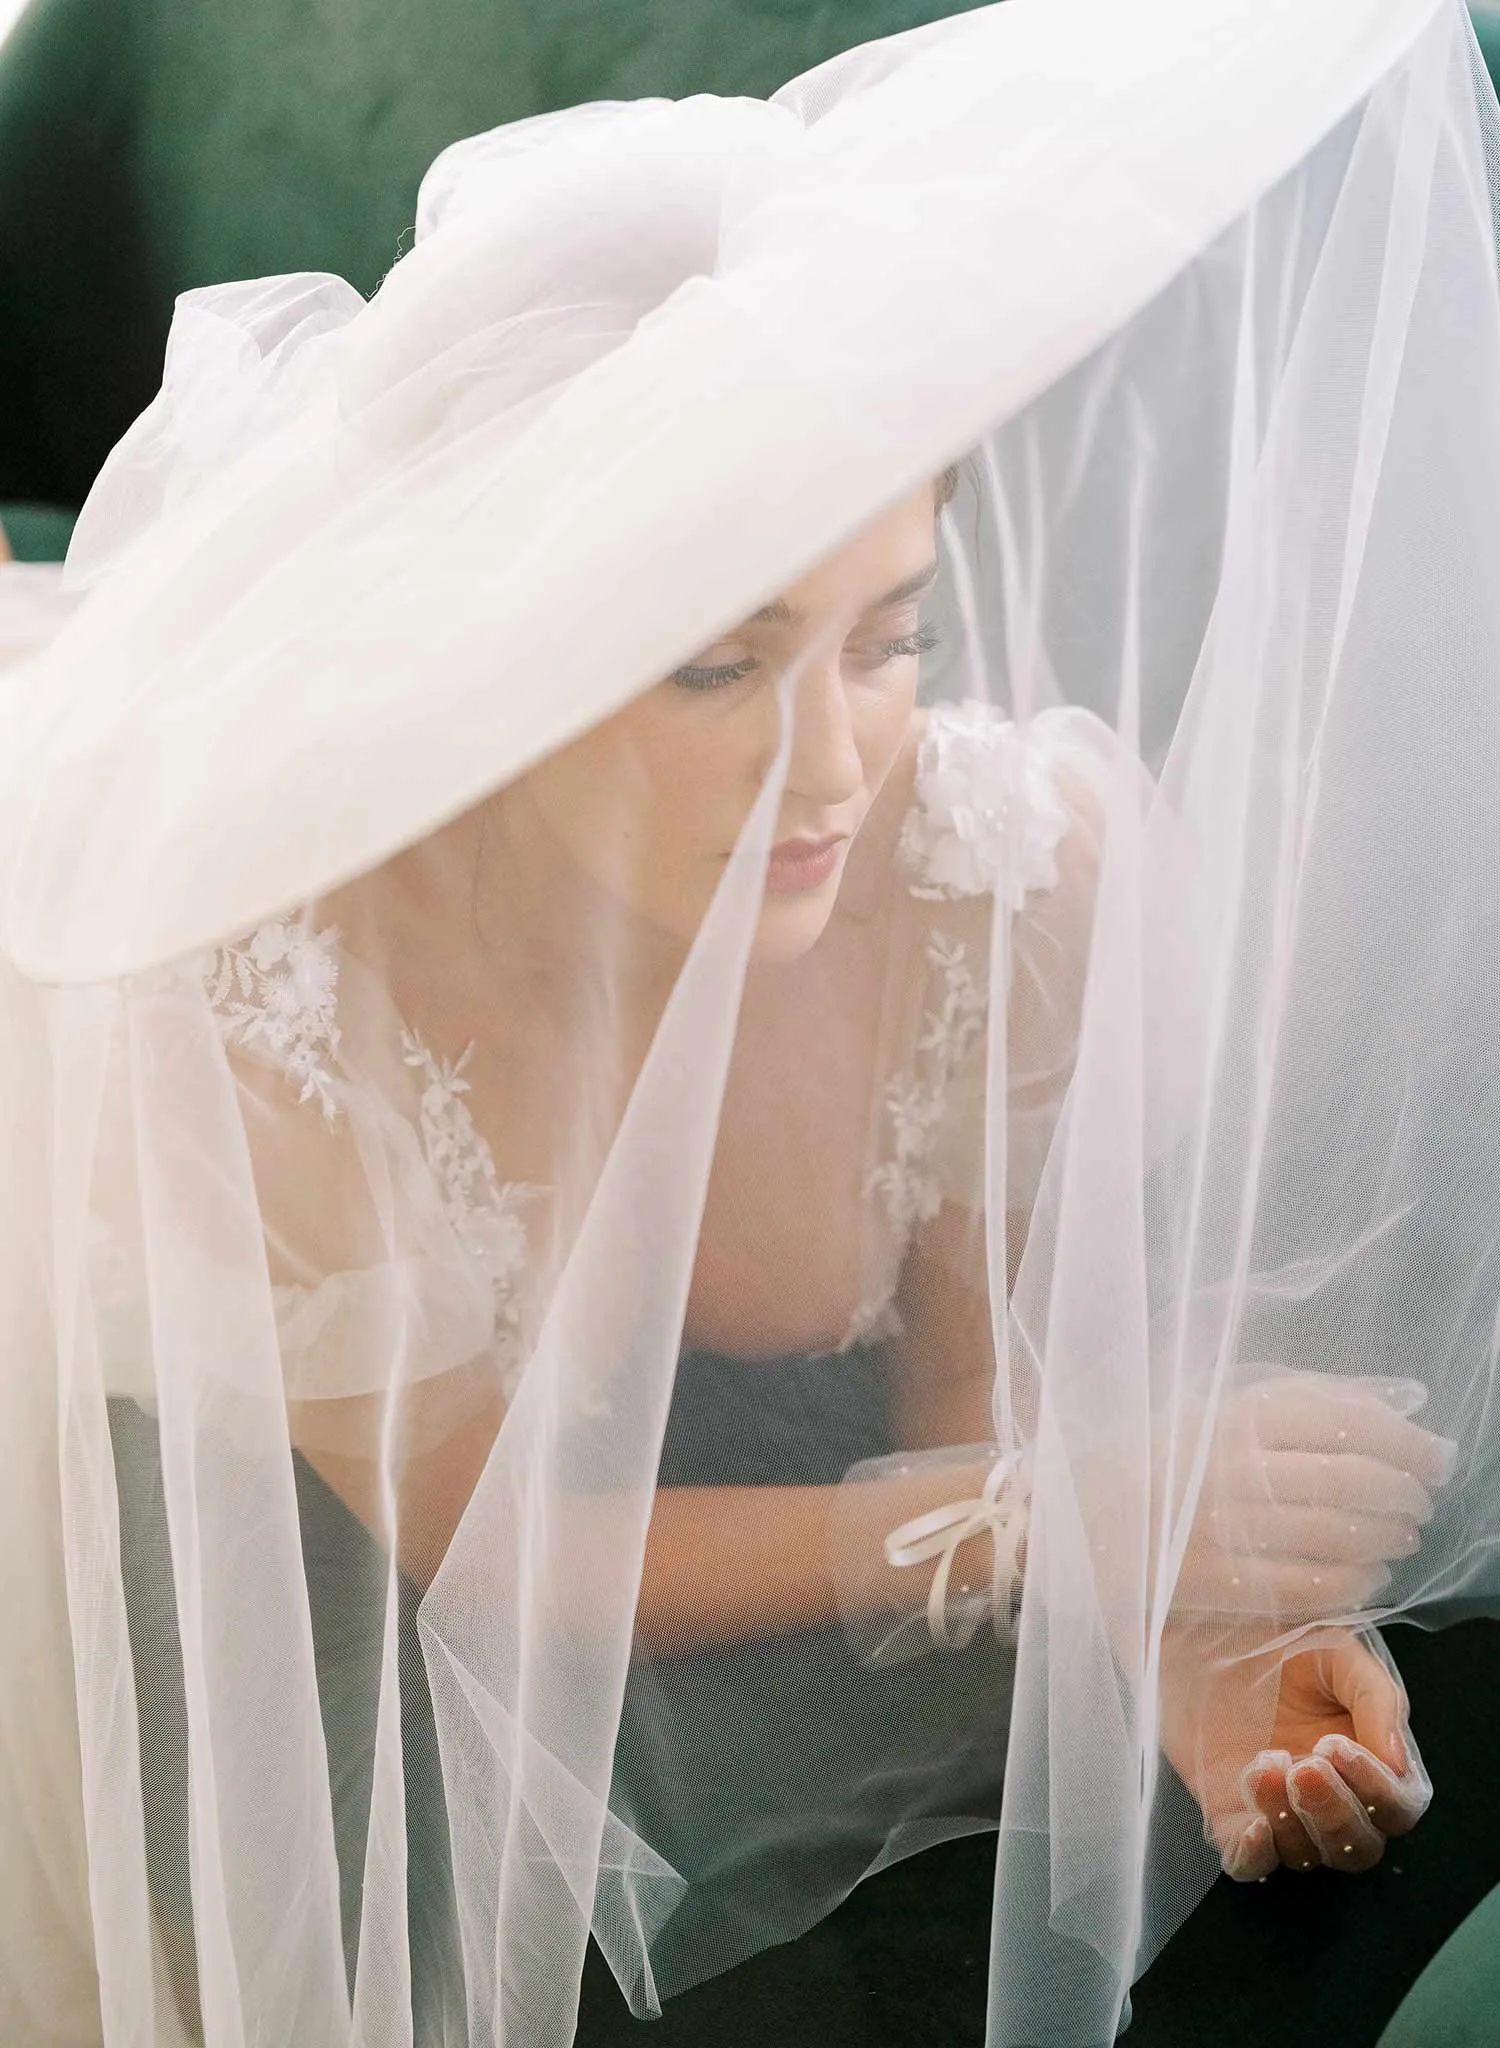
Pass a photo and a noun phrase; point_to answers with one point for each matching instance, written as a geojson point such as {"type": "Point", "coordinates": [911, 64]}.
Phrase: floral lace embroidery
{"type": "Point", "coordinates": [987, 815]}
{"type": "Point", "coordinates": [916, 1099]}
{"type": "Point", "coordinates": [277, 995]}
{"type": "Point", "coordinates": [873, 1320]}
{"type": "Point", "coordinates": [915, 1102]}
{"type": "Point", "coordinates": [484, 1211]}
{"type": "Point", "coordinates": [986, 818]}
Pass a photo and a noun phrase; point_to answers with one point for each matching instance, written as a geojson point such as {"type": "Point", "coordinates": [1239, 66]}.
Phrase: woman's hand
{"type": "Point", "coordinates": [1343, 1775]}
{"type": "Point", "coordinates": [1337, 1774]}
{"type": "Point", "coordinates": [1314, 1485]}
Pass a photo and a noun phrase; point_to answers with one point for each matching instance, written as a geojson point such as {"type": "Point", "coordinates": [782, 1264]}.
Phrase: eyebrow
{"type": "Point", "coordinates": [779, 613]}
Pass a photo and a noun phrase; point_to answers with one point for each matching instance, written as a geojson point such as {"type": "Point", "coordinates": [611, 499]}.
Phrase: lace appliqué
{"type": "Point", "coordinates": [986, 818]}
{"type": "Point", "coordinates": [915, 1100]}
{"type": "Point", "coordinates": [484, 1211]}
{"type": "Point", "coordinates": [277, 996]}
{"type": "Point", "coordinates": [987, 815]}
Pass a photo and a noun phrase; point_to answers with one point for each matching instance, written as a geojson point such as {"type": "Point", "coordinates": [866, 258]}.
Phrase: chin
{"type": "Point", "coordinates": [790, 926]}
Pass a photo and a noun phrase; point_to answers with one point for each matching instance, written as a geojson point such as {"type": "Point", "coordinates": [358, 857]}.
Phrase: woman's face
{"type": "Point", "coordinates": [650, 803]}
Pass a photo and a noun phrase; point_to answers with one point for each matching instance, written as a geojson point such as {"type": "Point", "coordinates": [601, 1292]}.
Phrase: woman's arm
{"type": "Point", "coordinates": [943, 1363]}
{"type": "Point", "coordinates": [733, 1564]}
{"type": "Point", "coordinates": [723, 1564]}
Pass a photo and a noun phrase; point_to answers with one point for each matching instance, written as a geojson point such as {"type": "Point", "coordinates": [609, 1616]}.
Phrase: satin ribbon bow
{"type": "Point", "coordinates": [1002, 1510]}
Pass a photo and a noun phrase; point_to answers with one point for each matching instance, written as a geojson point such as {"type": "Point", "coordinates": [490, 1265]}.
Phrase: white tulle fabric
{"type": "Point", "coordinates": [468, 1342]}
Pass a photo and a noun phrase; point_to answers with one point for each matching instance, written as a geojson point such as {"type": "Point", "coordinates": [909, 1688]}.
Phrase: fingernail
{"type": "Point", "coordinates": [1447, 1457]}
{"type": "Point", "coordinates": [1270, 1760]}
{"type": "Point", "coordinates": [1309, 1781]}
{"type": "Point", "coordinates": [1249, 1852]}
{"type": "Point", "coordinates": [1335, 1747]}
{"type": "Point", "coordinates": [1405, 1396]}
{"type": "Point", "coordinates": [1399, 1754]}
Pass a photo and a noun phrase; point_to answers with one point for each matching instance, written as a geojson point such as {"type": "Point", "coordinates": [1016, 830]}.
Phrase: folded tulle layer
{"type": "Point", "coordinates": [748, 1100]}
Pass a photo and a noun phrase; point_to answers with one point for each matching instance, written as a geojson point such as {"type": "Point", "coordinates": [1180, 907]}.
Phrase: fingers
{"type": "Point", "coordinates": [1373, 1695]}
{"type": "Point", "coordinates": [1215, 1582]}
{"type": "Point", "coordinates": [1334, 1535]}
{"type": "Point", "coordinates": [1312, 1817]}
{"type": "Point", "coordinates": [1251, 1854]}
{"type": "Point", "coordinates": [1317, 1484]}
{"type": "Point", "coordinates": [1398, 1397]}
{"type": "Point", "coordinates": [1393, 1802]}
{"type": "Point", "coordinates": [1337, 1806]}
{"type": "Point", "coordinates": [1337, 1823]}
{"type": "Point", "coordinates": [1264, 1790]}
{"type": "Point", "coordinates": [1357, 1484]}
{"type": "Point", "coordinates": [1328, 1417]}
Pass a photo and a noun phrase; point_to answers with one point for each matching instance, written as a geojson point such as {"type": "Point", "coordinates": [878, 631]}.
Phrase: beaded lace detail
{"type": "Point", "coordinates": [484, 1211]}
{"type": "Point", "coordinates": [986, 819]}
{"type": "Point", "coordinates": [915, 1100]}
{"type": "Point", "coordinates": [277, 995]}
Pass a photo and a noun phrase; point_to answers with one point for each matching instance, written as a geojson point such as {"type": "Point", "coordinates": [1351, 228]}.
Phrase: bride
{"type": "Point", "coordinates": [565, 1003]}
{"type": "Point", "coordinates": [495, 988]}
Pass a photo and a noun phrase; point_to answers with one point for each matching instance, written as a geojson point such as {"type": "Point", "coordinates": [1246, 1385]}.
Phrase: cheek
{"type": "Point", "coordinates": [580, 791]}
{"type": "Point", "coordinates": [654, 792]}
{"type": "Point", "coordinates": [701, 767]}
{"type": "Point", "coordinates": [881, 728]}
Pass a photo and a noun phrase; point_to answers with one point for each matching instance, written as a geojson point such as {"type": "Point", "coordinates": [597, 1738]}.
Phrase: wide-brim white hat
{"type": "Point", "coordinates": [362, 563]}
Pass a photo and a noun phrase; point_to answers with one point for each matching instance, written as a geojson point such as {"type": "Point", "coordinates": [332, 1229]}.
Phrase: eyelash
{"type": "Point", "coordinates": [885, 651]}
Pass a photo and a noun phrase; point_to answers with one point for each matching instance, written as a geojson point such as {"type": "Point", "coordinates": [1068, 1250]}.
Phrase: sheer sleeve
{"type": "Point", "coordinates": [1007, 823]}
{"type": "Point", "coordinates": [1002, 852]}
{"type": "Point", "coordinates": [392, 1298]}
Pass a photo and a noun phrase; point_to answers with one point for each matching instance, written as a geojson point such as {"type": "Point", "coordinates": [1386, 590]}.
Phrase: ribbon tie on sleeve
{"type": "Point", "coordinates": [1002, 1510]}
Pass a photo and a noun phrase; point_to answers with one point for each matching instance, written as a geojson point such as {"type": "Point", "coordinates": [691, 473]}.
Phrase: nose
{"type": "Point", "coordinates": [825, 768]}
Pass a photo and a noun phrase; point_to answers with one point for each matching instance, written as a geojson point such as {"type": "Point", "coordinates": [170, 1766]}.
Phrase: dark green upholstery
{"type": "Point", "coordinates": [1455, 2003]}
{"type": "Point", "coordinates": [1316, 1962]}
{"type": "Point", "coordinates": [150, 145]}
{"type": "Point", "coordinates": [37, 533]}
{"type": "Point", "coordinates": [1486, 19]}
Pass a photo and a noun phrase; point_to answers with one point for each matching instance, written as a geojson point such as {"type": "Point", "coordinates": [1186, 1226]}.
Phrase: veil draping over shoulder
{"type": "Point", "coordinates": [748, 1097]}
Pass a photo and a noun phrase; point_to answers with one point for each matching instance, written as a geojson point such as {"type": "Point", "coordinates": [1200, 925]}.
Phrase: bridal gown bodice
{"type": "Point", "coordinates": [999, 818]}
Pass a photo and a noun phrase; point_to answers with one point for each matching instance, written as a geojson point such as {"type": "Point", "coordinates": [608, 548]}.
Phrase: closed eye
{"type": "Point", "coordinates": [714, 676]}
{"type": "Point", "coordinates": [873, 655]}
{"type": "Point", "coordinates": [905, 648]}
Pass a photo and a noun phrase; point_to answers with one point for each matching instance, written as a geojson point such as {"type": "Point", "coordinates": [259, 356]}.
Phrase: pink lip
{"type": "Point", "coordinates": [803, 863]}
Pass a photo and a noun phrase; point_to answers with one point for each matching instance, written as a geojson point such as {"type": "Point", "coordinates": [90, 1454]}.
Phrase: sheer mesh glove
{"type": "Point", "coordinates": [1313, 1487]}
{"type": "Point", "coordinates": [1340, 1772]}
{"type": "Point", "coordinates": [928, 1548]}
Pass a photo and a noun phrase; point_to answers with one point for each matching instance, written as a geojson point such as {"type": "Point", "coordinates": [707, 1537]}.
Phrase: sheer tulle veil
{"type": "Point", "coordinates": [612, 1064]}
